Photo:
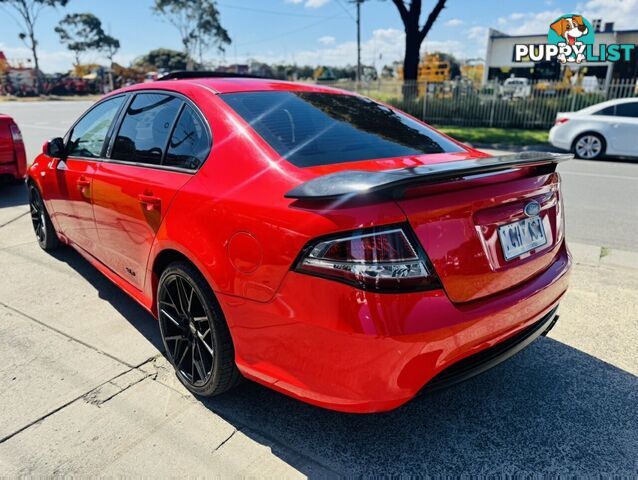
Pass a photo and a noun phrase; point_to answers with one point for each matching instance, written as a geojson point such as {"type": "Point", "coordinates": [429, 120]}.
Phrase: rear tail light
{"type": "Point", "coordinates": [383, 259]}
{"type": "Point", "coordinates": [560, 121]}
{"type": "Point", "coordinates": [16, 135]}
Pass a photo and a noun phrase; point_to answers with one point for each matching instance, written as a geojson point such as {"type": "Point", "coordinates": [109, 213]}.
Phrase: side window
{"type": "Point", "coordinates": [145, 129]}
{"type": "Point", "coordinates": [189, 145]}
{"type": "Point", "coordinates": [87, 137]}
{"type": "Point", "coordinates": [607, 111]}
{"type": "Point", "coordinates": [627, 110]}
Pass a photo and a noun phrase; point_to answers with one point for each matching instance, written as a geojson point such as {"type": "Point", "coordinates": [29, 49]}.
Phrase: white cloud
{"type": "Point", "coordinates": [622, 12]}
{"type": "Point", "coordinates": [454, 22]}
{"type": "Point", "coordinates": [327, 40]}
{"type": "Point", "coordinates": [528, 23]}
{"type": "Point", "coordinates": [316, 3]}
{"type": "Point", "coordinates": [477, 33]}
{"type": "Point", "coordinates": [309, 3]}
{"type": "Point", "coordinates": [384, 47]}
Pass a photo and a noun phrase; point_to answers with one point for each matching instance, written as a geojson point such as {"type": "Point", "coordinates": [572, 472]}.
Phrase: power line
{"type": "Point", "coordinates": [274, 12]}
{"type": "Point", "coordinates": [346, 10]}
{"type": "Point", "coordinates": [290, 32]}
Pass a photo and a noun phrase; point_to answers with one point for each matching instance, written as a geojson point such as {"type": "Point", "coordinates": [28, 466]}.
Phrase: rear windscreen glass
{"type": "Point", "coordinates": [311, 129]}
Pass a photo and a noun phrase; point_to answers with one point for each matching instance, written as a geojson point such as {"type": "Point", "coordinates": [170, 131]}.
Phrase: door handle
{"type": "Point", "coordinates": [83, 183]}
{"type": "Point", "coordinates": [149, 201]}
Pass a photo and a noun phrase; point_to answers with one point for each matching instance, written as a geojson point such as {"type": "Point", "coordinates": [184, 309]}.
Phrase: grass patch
{"type": "Point", "coordinates": [505, 136]}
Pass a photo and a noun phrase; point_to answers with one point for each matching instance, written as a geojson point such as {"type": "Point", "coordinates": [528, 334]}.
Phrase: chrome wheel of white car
{"type": "Point", "coordinates": [589, 146]}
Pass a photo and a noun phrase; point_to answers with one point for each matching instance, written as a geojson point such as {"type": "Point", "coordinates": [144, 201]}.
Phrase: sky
{"type": "Point", "coordinates": [312, 32]}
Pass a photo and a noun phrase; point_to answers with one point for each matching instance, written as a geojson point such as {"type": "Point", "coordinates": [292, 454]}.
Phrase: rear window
{"type": "Point", "coordinates": [611, 110]}
{"type": "Point", "coordinates": [627, 109]}
{"type": "Point", "coordinates": [309, 129]}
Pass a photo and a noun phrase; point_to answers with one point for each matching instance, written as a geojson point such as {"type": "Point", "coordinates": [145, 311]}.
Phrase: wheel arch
{"type": "Point", "coordinates": [590, 131]}
{"type": "Point", "coordinates": [161, 261]}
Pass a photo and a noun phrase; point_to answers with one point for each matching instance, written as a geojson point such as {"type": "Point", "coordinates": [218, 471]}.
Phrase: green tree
{"type": "Point", "coordinates": [80, 32]}
{"type": "Point", "coordinates": [26, 14]}
{"type": "Point", "coordinates": [414, 36]}
{"type": "Point", "coordinates": [110, 46]}
{"type": "Point", "coordinates": [198, 24]}
{"type": "Point", "coordinates": [164, 59]}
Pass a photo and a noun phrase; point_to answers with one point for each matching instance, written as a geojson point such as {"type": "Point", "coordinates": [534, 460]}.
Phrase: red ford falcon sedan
{"type": "Point", "coordinates": [13, 159]}
{"type": "Point", "coordinates": [328, 246]}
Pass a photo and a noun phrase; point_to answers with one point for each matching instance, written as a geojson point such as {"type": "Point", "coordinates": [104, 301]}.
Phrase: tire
{"type": "Point", "coordinates": [193, 327]}
{"type": "Point", "coordinates": [44, 231]}
{"type": "Point", "coordinates": [589, 146]}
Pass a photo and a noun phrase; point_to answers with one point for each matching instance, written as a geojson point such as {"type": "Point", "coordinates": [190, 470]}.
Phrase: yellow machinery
{"type": "Point", "coordinates": [431, 69]}
{"type": "Point", "coordinates": [434, 70]}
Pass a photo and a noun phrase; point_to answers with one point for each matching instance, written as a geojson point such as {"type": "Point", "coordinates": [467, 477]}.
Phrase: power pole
{"type": "Point", "coordinates": [359, 2]}
{"type": "Point", "coordinates": [358, 21]}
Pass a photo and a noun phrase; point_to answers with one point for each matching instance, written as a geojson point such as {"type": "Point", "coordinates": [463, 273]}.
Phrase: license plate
{"type": "Point", "coordinates": [520, 237]}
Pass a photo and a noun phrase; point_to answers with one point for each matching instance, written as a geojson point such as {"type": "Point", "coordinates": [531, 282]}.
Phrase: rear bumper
{"type": "Point", "coordinates": [492, 356]}
{"type": "Point", "coordinates": [334, 346]}
{"type": "Point", "coordinates": [558, 139]}
{"type": "Point", "coordinates": [12, 170]}
{"type": "Point", "coordinates": [16, 168]}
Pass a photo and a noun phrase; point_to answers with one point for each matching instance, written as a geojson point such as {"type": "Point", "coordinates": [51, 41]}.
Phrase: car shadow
{"type": "Point", "coordinates": [13, 195]}
{"type": "Point", "coordinates": [137, 316]}
{"type": "Point", "coordinates": [551, 408]}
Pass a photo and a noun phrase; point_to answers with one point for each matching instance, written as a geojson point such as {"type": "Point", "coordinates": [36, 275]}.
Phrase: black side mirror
{"type": "Point", "coordinates": [55, 148]}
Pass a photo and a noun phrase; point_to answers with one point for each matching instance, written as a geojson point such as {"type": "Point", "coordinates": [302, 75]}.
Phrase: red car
{"type": "Point", "coordinates": [313, 240]}
{"type": "Point", "coordinates": [13, 159]}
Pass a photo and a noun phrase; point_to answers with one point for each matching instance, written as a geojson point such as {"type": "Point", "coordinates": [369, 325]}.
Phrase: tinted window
{"type": "Point", "coordinates": [310, 128]}
{"type": "Point", "coordinates": [87, 137]}
{"type": "Point", "coordinates": [606, 111]}
{"type": "Point", "coordinates": [627, 110]}
{"type": "Point", "coordinates": [189, 143]}
{"type": "Point", "coordinates": [145, 129]}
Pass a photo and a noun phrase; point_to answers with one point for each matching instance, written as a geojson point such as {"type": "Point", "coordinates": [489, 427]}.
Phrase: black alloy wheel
{"type": "Point", "coordinates": [42, 226]}
{"type": "Point", "coordinates": [195, 336]}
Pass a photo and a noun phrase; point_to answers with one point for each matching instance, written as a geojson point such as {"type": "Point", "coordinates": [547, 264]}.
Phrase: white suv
{"type": "Point", "coordinates": [609, 128]}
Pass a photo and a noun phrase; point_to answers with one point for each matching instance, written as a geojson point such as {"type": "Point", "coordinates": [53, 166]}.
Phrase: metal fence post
{"type": "Point", "coordinates": [492, 106]}
{"type": "Point", "coordinates": [425, 96]}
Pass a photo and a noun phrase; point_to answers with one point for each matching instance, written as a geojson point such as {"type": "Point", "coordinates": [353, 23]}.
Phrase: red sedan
{"type": "Point", "coordinates": [313, 240]}
{"type": "Point", "coordinates": [13, 159]}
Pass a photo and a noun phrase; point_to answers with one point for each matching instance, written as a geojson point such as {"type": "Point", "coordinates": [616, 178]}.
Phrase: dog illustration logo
{"type": "Point", "coordinates": [573, 31]}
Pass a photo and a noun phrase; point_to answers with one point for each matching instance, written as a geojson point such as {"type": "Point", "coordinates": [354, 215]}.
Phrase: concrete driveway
{"type": "Point", "coordinates": [86, 390]}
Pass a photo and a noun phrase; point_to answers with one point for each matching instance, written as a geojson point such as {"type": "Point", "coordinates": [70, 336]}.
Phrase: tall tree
{"type": "Point", "coordinates": [414, 35]}
{"type": "Point", "coordinates": [80, 32]}
{"type": "Point", "coordinates": [27, 12]}
{"type": "Point", "coordinates": [163, 59]}
{"type": "Point", "coordinates": [198, 23]}
{"type": "Point", "coordinates": [110, 46]}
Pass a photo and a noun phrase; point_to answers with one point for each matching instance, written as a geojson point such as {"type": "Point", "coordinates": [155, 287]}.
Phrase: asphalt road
{"type": "Point", "coordinates": [601, 197]}
{"type": "Point", "coordinates": [85, 390]}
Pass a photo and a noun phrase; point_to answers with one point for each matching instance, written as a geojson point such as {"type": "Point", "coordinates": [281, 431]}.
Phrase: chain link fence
{"type": "Point", "coordinates": [515, 103]}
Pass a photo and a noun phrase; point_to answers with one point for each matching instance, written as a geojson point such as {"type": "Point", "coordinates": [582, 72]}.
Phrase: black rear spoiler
{"type": "Point", "coordinates": [359, 182]}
